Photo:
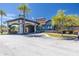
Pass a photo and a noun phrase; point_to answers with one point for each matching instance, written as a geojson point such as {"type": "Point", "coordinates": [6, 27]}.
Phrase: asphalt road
{"type": "Point", "coordinates": [37, 45]}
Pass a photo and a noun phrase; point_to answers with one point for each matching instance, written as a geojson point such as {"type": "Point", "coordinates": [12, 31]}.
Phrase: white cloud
{"type": "Point", "coordinates": [9, 16]}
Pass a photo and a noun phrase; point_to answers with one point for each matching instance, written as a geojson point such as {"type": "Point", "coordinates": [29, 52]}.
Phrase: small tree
{"type": "Point", "coordinates": [58, 20]}
{"type": "Point", "coordinates": [2, 13]}
{"type": "Point", "coordinates": [70, 21]}
{"type": "Point", "coordinates": [61, 21]}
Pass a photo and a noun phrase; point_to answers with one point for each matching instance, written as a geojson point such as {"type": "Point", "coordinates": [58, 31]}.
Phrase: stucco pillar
{"type": "Point", "coordinates": [35, 28]}
{"type": "Point", "coordinates": [7, 28]}
{"type": "Point", "coordinates": [21, 27]}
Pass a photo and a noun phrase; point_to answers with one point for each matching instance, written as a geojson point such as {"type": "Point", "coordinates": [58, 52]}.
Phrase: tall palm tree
{"type": "Point", "coordinates": [2, 13]}
{"type": "Point", "coordinates": [24, 9]}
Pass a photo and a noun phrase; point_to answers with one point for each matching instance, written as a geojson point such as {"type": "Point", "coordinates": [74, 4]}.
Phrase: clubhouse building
{"type": "Point", "coordinates": [23, 26]}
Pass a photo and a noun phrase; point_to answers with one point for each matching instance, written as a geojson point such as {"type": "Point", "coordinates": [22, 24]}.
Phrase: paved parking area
{"type": "Point", "coordinates": [32, 45]}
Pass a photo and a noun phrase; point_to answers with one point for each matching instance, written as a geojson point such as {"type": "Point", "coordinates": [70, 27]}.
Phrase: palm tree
{"type": "Point", "coordinates": [2, 13]}
{"type": "Point", "coordinates": [24, 9]}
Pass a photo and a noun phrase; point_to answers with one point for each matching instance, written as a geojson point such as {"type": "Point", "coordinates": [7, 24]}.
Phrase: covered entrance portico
{"type": "Point", "coordinates": [13, 28]}
{"type": "Point", "coordinates": [29, 28]}
{"type": "Point", "coordinates": [24, 26]}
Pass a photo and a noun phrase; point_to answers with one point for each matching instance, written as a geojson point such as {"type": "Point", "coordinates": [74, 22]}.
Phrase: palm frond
{"type": "Point", "coordinates": [2, 13]}
{"type": "Point", "coordinates": [24, 7]}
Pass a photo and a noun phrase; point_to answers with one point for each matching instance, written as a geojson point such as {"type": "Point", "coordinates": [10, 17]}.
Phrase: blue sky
{"type": "Point", "coordinates": [46, 10]}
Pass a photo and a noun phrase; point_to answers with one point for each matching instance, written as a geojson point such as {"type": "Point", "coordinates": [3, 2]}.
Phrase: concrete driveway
{"type": "Point", "coordinates": [36, 45]}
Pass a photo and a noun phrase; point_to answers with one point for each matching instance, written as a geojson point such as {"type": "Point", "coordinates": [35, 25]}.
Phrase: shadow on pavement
{"type": "Point", "coordinates": [70, 38]}
{"type": "Point", "coordinates": [34, 35]}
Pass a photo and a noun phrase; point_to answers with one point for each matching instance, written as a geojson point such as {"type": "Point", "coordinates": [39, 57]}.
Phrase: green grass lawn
{"type": "Point", "coordinates": [61, 35]}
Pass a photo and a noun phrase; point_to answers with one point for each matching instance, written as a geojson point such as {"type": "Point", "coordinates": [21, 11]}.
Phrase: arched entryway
{"type": "Point", "coordinates": [13, 29]}
{"type": "Point", "coordinates": [29, 28]}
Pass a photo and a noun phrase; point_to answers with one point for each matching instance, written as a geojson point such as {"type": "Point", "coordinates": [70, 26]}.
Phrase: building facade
{"type": "Point", "coordinates": [22, 25]}
{"type": "Point", "coordinates": [46, 26]}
